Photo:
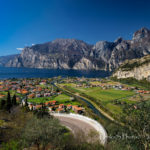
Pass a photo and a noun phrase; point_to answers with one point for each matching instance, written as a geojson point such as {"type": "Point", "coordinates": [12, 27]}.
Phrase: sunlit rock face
{"type": "Point", "coordinates": [141, 34]}
{"type": "Point", "coordinates": [136, 68]}
{"type": "Point", "coordinates": [77, 54]}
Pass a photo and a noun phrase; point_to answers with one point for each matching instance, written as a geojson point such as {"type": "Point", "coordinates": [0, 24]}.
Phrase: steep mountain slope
{"type": "Point", "coordinates": [76, 54]}
{"type": "Point", "coordinates": [136, 68]}
{"type": "Point", "coordinates": [61, 53]}
{"type": "Point", "coordinates": [5, 59]}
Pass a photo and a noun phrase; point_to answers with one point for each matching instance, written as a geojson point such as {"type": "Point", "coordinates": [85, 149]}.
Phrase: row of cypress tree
{"type": "Point", "coordinates": [8, 103]}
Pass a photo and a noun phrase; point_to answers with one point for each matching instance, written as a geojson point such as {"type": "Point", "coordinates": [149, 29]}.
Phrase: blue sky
{"type": "Point", "coordinates": [27, 22]}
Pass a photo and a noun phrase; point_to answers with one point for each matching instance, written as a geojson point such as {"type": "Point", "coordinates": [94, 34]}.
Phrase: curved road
{"type": "Point", "coordinates": [75, 125]}
{"type": "Point", "coordinates": [79, 124]}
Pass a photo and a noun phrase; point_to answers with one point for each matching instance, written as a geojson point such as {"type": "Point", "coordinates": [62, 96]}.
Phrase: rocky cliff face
{"type": "Point", "coordinates": [5, 59]}
{"type": "Point", "coordinates": [136, 68]}
{"type": "Point", "coordinates": [76, 54]}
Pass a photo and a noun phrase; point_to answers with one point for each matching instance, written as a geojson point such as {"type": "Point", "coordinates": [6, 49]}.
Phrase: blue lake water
{"type": "Point", "coordinates": [48, 73]}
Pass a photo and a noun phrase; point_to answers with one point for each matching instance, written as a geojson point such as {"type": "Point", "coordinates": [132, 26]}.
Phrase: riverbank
{"type": "Point", "coordinates": [99, 111]}
{"type": "Point", "coordinates": [92, 103]}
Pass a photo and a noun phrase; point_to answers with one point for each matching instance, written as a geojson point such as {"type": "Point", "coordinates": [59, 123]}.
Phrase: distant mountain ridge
{"type": "Point", "coordinates": [5, 59]}
{"type": "Point", "coordinates": [76, 54]}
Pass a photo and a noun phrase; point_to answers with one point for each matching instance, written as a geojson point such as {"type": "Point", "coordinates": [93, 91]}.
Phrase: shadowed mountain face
{"type": "Point", "coordinates": [76, 54]}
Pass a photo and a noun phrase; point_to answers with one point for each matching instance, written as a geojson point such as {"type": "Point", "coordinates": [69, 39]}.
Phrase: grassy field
{"type": "Point", "coordinates": [106, 96]}
{"type": "Point", "coordinates": [39, 100]}
{"type": "Point", "coordinates": [65, 99]}
{"type": "Point", "coordinates": [99, 93]}
{"type": "Point", "coordinates": [61, 99]}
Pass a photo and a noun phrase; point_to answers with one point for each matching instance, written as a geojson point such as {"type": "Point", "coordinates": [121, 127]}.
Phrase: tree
{"type": "Point", "coordinates": [2, 104]}
{"type": "Point", "coordinates": [41, 132]}
{"type": "Point", "coordinates": [14, 102]}
{"type": "Point", "coordinates": [11, 145]}
{"type": "Point", "coordinates": [57, 90]}
{"type": "Point", "coordinates": [17, 122]}
{"type": "Point", "coordinates": [138, 121]}
{"type": "Point", "coordinates": [42, 112]}
{"type": "Point", "coordinates": [26, 102]}
{"type": "Point", "coordinates": [8, 102]}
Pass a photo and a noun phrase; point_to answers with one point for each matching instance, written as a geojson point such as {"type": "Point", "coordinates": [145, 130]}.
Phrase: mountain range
{"type": "Point", "coordinates": [5, 59]}
{"type": "Point", "coordinates": [77, 54]}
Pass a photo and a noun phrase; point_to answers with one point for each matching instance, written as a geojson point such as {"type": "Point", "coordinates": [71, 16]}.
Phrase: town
{"type": "Point", "coordinates": [43, 91]}
{"type": "Point", "coordinates": [38, 92]}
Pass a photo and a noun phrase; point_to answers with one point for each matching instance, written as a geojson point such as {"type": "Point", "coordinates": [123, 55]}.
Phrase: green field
{"type": "Point", "coordinates": [99, 93]}
{"type": "Point", "coordinates": [61, 99]}
{"type": "Point", "coordinates": [39, 100]}
{"type": "Point", "coordinates": [65, 99]}
{"type": "Point", "coordinates": [105, 97]}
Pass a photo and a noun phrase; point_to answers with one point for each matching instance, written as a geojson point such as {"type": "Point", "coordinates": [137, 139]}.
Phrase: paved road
{"type": "Point", "coordinates": [81, 125]}
{"type": "Point", "coordinates": [76, 126]}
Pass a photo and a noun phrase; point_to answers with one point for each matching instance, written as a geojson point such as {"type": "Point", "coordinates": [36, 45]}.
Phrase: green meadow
{"type": "Point", "coordinates": [60, 99]}
{"type": "Point", "coordinates": [65, 99]}
{"type": "Point", "coordinates": [106, 96]}
{"type": "Point", "coordinates": [39, 100]}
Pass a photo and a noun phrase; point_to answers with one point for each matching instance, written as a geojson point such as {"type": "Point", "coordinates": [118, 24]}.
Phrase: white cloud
{"type": "Point", "coordinates": [20, 49]}
{"type": "Point", "coordinates": [33, 44]}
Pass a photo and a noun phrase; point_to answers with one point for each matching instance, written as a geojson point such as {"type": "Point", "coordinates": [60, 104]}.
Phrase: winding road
{"type": "Point", "coordinates": [81, 124]}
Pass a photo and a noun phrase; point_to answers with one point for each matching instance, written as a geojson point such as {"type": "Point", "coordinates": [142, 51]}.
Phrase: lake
{"type": "Point", "coordinates": [6, 73]}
